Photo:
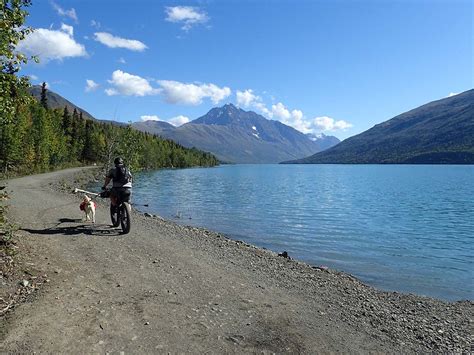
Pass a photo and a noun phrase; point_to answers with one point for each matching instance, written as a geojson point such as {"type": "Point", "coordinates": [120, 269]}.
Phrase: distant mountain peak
{"type": "Point", "coordinates": [240, 136]}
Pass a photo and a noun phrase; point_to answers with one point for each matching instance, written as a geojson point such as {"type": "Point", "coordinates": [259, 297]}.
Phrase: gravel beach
{"type": "Point", "coordinates": [167, 288]}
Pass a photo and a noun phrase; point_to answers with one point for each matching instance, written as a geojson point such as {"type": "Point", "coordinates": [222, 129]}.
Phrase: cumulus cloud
{"type": "Point", "coordinates": [129, 85]}
{"type": "Point", "coordinates": [175, 92]}
{"type": "Point", "coordinates": [249, 100]}
{"type": "Point", "coordinates": [175, 121]}
{"type": "Point", "coordinates": [71, 13]}
{"type": "Point", "coordinates": [294, 118]}
{"type": "Point", "coordinates": [325, 123]}
{"type": "Point", "coordinates": [187, 15]}
{"type": "Point", "coordinates": [50, 44]}
{"type": "Point", "coordinates": [150, 118]}
{"type": "Point", "coordinates": [91, 85]}
{"type": "Point", "coordinates": [68, 29]}
{"type": "Point", "coordinates": [112, 41]}
{"type": "Point", "coordinates": [246, 98]}
{"type": "Point", "coordinates": [280, 111]}
{"type": "Point", "coordinates": [179, 120]}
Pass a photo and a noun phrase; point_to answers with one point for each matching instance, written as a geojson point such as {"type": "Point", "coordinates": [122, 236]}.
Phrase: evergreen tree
{"type": "Point", "coordinates": [66, 124]}
{"type": "Point", "coordinates": [44, 99]}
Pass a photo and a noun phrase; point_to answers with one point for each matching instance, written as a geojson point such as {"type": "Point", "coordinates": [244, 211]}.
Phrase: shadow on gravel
{"type": "Point", "coordinates": [69, 220]}
{"type": "Point", "coordinates": [88, 229]}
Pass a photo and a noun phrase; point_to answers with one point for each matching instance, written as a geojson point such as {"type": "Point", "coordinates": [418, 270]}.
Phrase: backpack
{"type": "Point", "coordinates": [121, 175]}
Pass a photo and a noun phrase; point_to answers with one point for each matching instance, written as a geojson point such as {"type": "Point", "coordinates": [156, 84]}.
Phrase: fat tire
{"type": "Point", "coordinates": [125, 220]}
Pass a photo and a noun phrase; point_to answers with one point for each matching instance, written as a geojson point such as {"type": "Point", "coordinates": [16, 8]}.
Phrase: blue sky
{"type": "Point", "coordinates": [331, 66]}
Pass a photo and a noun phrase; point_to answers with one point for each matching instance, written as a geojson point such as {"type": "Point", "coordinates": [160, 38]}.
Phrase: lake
{"type": "Point", "coordinates": [406, 228]}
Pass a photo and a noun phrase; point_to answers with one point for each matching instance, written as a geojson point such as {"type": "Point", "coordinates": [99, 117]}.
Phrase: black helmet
{"type": "Point", "coordinates": [118, 161]}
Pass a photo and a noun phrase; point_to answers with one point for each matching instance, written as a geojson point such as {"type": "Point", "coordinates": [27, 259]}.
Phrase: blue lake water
{"type": "Point", "coordinates": [397, 227]}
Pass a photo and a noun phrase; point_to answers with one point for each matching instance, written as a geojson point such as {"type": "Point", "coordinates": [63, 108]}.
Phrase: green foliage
{"type": "Point", "coordinates": [42, 139]}
{"type": "Point", "coordinates": [13, 89]}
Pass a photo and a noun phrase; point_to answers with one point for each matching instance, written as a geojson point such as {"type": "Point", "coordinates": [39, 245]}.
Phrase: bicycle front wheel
{"type": "Point", "coordinates": [125, 214]}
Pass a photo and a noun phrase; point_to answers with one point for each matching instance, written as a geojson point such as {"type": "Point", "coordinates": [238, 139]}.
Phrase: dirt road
{"type": "Point", "coordinates": [166, 288]}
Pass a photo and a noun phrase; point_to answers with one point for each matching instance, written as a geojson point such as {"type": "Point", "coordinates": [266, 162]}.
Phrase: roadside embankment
{"type": "Point", "coordinates": [171, 288]}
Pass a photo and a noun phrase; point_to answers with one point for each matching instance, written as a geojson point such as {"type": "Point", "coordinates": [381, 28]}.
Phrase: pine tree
{"type": "Point", "coordinates": [66, 124]}
{"type": "Point", "coordinates": [44, 99]}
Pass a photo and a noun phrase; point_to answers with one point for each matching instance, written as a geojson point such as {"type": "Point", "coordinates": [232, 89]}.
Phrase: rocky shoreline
{"type": "Point", "coordinates": [324, 304]}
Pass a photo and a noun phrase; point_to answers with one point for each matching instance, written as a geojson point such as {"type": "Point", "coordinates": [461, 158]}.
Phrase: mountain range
{"type": "Point", "coordinates": [440, 132]}
{"type": "Point", "coordinates": [230, 133]}
{"type": "Point", "coordinates": [239, 136]}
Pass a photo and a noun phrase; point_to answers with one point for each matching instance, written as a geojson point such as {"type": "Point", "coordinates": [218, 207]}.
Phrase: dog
{"type": "Point", "coordinates": [88, 206]}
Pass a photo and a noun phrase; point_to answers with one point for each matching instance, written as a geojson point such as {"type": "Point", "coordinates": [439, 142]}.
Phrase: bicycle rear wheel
{"type": "Point", "coordinates": [125, 213]}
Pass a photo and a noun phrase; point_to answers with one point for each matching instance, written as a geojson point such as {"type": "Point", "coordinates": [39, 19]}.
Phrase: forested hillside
{"type": "Point", "coordinates": [439, 132]}
{"type": "Point", "coordinates": [40, 139]}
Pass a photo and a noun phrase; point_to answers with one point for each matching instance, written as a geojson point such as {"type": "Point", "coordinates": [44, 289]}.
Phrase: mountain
{"type": "Point", "coordinates": [57, 101]}
{"type": "Point", "coordinates": [325, 142]}
{"type": "Point", "coordinates": [156, 127]}
{"type": "Point", "coordinates": [440, 132]}
{"type": "Point", "coordinates": [239, 136]}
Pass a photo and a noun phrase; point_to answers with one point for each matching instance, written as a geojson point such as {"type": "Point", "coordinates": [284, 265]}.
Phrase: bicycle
{"type": "Point", "coordinates": [120, 214]}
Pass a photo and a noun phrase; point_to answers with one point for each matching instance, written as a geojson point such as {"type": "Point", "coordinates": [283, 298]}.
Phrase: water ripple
{"type": "Point", "coordinates": [405, 228]}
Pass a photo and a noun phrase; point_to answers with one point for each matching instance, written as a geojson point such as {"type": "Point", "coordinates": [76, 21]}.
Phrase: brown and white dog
{"type": "Point", "coordinates": [88, 206]}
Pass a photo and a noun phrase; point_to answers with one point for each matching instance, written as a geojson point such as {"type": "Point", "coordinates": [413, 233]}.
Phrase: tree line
{"type": "Point", "coordinates": [40, 139]}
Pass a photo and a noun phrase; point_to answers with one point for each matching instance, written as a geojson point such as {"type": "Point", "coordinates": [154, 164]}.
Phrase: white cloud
{"type": "Point", "coordinates": [325, 123]}
{"type": "Point", "coordinates": [117, 42]}
{"type": "Point", "coordinates": [52, 44]}
{"type": "Point", "coordinates": [71, 13]}
{"type": "Point", "coordinates": [453, 94]}
{"type": "Point", "coordinates": [122, 61]}
{"type": "Point", "coordinates": [150, 118]}
{"type": "Point", "coordinates": [294, 118]}
{"type": "Point", "coordinates": [175, 121]}
{"type": "Point", "coordinates": [187, 15]}
{"type": "Point", "coordinates": [91, 85]}
{"type": "Point", "coordinates": [175, 92]}
{"type": "Point", "coordinates": [179, 120]}
{"type": "Point", "coordinates": [33, 77]}
{"type": "Point", "coordinates": [129, 85]}
{"type": "Point", "coordinates": [248, 99]}
{"type": "Point", "coordinates": [280, 111]}
{"type": "Point", "coordinates": [68, 29]}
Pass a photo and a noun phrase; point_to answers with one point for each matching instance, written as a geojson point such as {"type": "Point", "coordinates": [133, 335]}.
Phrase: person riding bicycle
{"type": "Point", "coordinates": [121, 182]}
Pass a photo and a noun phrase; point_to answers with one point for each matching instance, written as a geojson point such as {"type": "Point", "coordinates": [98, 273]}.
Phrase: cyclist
{"type": "Point", "coordinates": [121, 182]}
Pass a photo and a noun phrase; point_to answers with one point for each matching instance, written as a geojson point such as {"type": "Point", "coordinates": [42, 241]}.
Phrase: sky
{"type": "Point", "coordinates": [336, 67]}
